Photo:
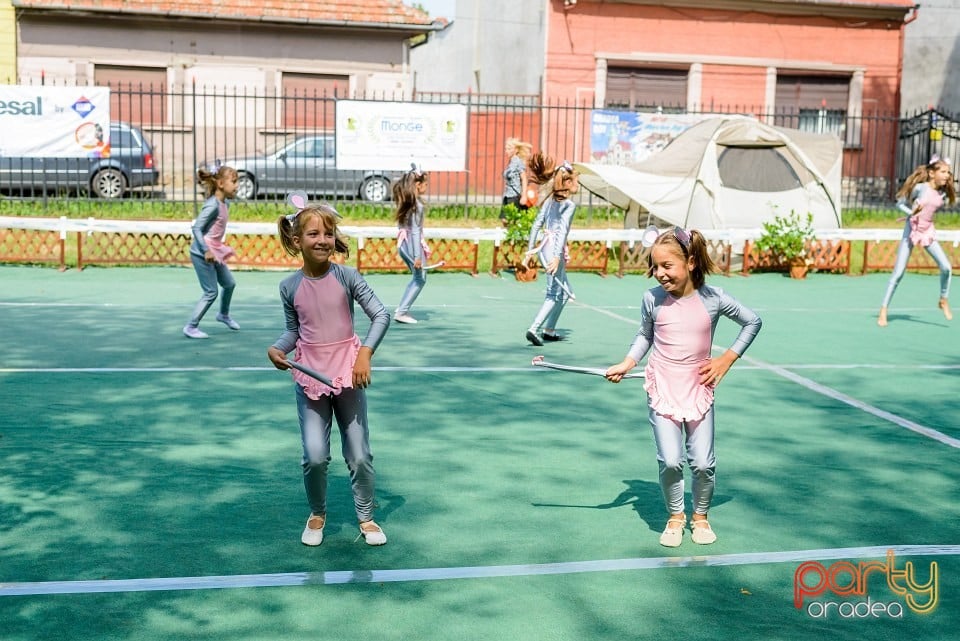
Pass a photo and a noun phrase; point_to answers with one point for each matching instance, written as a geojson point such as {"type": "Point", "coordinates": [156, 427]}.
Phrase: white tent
{"type": "Point", "coordinates": [728, 172]}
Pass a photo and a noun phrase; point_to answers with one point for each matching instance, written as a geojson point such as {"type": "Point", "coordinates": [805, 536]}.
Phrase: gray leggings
{"type": "Point", "coordinates": [554, 300]}
{"type": "Point", "coordinates": [900, 267]}
{"type": "Point", "coordinates": [350, 409]}
{"type": "Point", "coordinates": [210, 275]}
{"type": "Point", "coordinates": [669, 436]}
{"type": "Point", "coordinates": [415, 286]}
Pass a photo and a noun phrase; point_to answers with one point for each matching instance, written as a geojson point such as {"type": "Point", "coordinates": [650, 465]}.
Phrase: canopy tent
{"type": "Point", "coordinates": [728, 172]}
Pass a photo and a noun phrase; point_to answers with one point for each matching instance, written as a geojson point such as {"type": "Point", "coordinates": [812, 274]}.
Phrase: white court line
{"type": "Point", "coordinates": [287, 579]}
{"type": "Point", "coordinates": [829, 392]}
{"type": "Point", "coordinates": [436, 368]}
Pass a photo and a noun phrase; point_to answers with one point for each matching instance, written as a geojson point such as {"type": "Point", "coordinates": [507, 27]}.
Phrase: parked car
{"type": "Point", "coordinates": [130, 165]}
{"type": "Point", "coordinates": [307, 163]}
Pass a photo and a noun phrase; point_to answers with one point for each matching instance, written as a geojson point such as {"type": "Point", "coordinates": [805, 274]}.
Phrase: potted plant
{"type": "Point", "coordinates": [785, 238]}
{"type": "Point", "coordinates": [518, 223]}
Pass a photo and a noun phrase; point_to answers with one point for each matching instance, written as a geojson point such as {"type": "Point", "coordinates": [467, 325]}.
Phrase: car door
{"type": "Point", "coordinates": [295, 165]}
{"type": "Point", "coordinates": [328, 182]}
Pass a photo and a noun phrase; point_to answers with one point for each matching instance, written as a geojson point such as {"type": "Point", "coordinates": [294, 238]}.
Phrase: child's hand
{"type": "Point", "coordinates": [712, 372]}
{"type": "Point", "coordinates": [553, 265]}
{"type": "Point", "coordinates": [615, 373]}
{"type": "Point", "coordinates": [417, 264]}
{"type": "Point", "coordinates": [209, 257]}
{"type": "Point", "coordinates": [278, 358]}
{"type": "Point", "coordinates": [361, 368]}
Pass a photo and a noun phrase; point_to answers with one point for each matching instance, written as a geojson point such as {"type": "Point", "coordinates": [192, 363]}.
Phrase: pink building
{"type": "Point", "coordinates": [816, 65]}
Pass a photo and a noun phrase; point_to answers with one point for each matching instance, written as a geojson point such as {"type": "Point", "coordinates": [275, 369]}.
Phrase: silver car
{"type": "Point", "coordinates": [307, 163]}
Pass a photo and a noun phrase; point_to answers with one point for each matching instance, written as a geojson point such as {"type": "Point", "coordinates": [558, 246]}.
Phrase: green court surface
{"type": "Point", "coordinates": [150, 485]}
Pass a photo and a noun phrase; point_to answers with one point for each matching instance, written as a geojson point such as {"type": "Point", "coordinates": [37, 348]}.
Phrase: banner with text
{"type": "Point", "coordinates": [626, 138]}
{"type": "Point", "coordinates": [55, 122]}
{"type": "Point", "coordinates": [392, 135]}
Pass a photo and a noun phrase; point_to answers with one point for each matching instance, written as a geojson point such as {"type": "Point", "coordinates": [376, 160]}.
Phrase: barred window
{"type": "Point", "coordinates": [308, 99]}
{"type": "Point", "coordinates": [817, 104]}
{"type": "Point", "coordinates": [643, 89]}
{"type": "Point", "coordinates": [137, 94]}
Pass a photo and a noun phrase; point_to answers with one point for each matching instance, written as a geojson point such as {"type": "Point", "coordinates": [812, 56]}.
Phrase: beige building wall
{"type": "Point", "coordinates": [8, 43]}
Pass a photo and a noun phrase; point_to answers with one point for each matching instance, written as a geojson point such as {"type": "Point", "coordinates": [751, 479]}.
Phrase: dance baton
{"type": "Point", "coordinates": [435, 265]}
{"type": "Point", "coordinates": [562, 284]}
{"type": "Point", "coordinates": [311, 373]}
{"type": "Point", "coordinates": [596, 371]}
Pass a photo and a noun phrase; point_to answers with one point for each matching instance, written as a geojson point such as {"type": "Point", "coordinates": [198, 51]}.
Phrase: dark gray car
{"type": "Point", "coordinates": [131, 164]}
{"type": "Point", "coordinates": [307, 163]}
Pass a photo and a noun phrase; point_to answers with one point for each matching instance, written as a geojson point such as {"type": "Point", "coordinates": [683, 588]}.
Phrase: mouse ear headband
{"type": "Point", "coordinates": [935, 158]}
{"type": "Point", "coordinates": [651, 233]}
{"type": "Point", "coordinates": [298, 200]}
{"type": "Point", "coordinates": [416, 170]}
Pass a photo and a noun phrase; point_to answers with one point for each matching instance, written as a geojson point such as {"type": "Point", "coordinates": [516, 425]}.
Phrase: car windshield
{"type": "Point", "coordinates": [276, 145]}
{"type": "Point", "coordinates": [306, 147]}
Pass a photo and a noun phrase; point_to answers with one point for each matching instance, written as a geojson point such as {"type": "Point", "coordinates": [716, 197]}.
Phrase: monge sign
{"type": "Point", "coordinates": [392, 135]}
{"type": "Point", "coordinates": [54, 122]}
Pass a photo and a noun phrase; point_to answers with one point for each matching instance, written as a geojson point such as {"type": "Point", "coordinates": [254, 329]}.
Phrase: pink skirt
{"type": "Point", "coordinates": [676, 392]}
{"type": "Point", "coordinates": [334, 360]}
{"type": "Point", "coordinates": [219, 250]}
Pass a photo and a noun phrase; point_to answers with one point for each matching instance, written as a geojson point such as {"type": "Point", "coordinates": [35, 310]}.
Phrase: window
{"type": "Point", "coordinates": [137, 94]}
{"type": "Point", "coordinates": [644, 89]}
{"type": "Point", "coordinates": [817, 104]}
{"type": "Point", "coordinates": [308, 99]}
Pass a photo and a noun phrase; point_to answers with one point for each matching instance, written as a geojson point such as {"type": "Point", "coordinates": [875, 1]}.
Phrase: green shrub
{"type": "Point", "coordinates": [786, 237]}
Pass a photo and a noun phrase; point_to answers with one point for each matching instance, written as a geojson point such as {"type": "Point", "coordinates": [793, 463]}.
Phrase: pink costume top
{"type": "Point", "coordinates": [215, 235]}
{"type": "Point", "coordinates": [922, 231]}
{"type": "Point", "coordinates": [327, 341]}
{"type": "Point", "coordinates": [681, 344]}
{"type": "Point", "coordinates": [680, 333]}
{"type": "Point", "coordinates": [410, 236]}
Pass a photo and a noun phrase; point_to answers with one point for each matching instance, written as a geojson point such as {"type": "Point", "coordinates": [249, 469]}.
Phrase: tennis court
{"type": "Point", "coordinates": [150, 485]}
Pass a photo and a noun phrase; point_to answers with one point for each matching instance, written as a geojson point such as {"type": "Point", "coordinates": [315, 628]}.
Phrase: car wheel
{"type": "Point", "coordinates": [375, 189]}
{"type": "Point", "coordinates": [246, 187]}
{"type": "Point", "coordinates": [109, 183]}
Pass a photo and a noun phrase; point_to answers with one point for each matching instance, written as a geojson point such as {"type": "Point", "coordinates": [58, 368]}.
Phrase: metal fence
{"type": "Point", "coordinates": [188, 127]}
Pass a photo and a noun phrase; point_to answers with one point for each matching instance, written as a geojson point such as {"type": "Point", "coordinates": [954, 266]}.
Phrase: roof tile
{"type": "Point", "coordinates": [354, 11]}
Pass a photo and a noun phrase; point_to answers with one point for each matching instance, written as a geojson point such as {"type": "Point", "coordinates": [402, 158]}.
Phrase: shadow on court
{"type": "Point", "coordinates": [129, 454]}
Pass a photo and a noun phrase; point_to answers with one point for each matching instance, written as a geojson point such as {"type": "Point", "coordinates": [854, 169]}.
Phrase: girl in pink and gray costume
{"type": "Point", "coordinates": [318, 305]}
{"type": "Point", "coordinates": [677, 322]}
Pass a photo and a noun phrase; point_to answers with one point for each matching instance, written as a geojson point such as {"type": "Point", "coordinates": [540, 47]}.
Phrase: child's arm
{"type": "Point", "coordinates": [379, 323]}
{"type": "Point", "coordinates": [712, 372]}
{"type": "Point", "coordinates": [416, 235]}
{"type": "Point", "coordinates": [361, 292]}
{"type": "Point", "coordinates": [641, 342]}
{"type": "Point", "coordinates": [205, 219]}
{"type": "Point", "coordinates": [277, 353]}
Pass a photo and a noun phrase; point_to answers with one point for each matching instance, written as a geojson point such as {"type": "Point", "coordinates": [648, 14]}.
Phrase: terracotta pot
{"type": "Point", "coordinates": [798, 268]}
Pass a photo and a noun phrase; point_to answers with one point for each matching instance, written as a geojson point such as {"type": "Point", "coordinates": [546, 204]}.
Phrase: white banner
{"type": "Point", "coordinates": [55, 122]}
{"type": "Point", "coordinates": [392, 135]}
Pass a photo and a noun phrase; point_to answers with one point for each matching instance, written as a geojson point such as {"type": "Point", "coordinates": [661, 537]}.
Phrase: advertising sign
{"type": "Point", "coordinates": [54, 122]}
{"type": "Point", "coordinates": [626, 138]}
{"type": "Point", "coordinates": [392, 135]}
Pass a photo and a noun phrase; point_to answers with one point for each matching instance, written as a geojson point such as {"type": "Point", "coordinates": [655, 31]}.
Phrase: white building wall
{"type": "Point", "coordinates": [491, 47]}
{"type": "Point", "coordinates": [931, 58]}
